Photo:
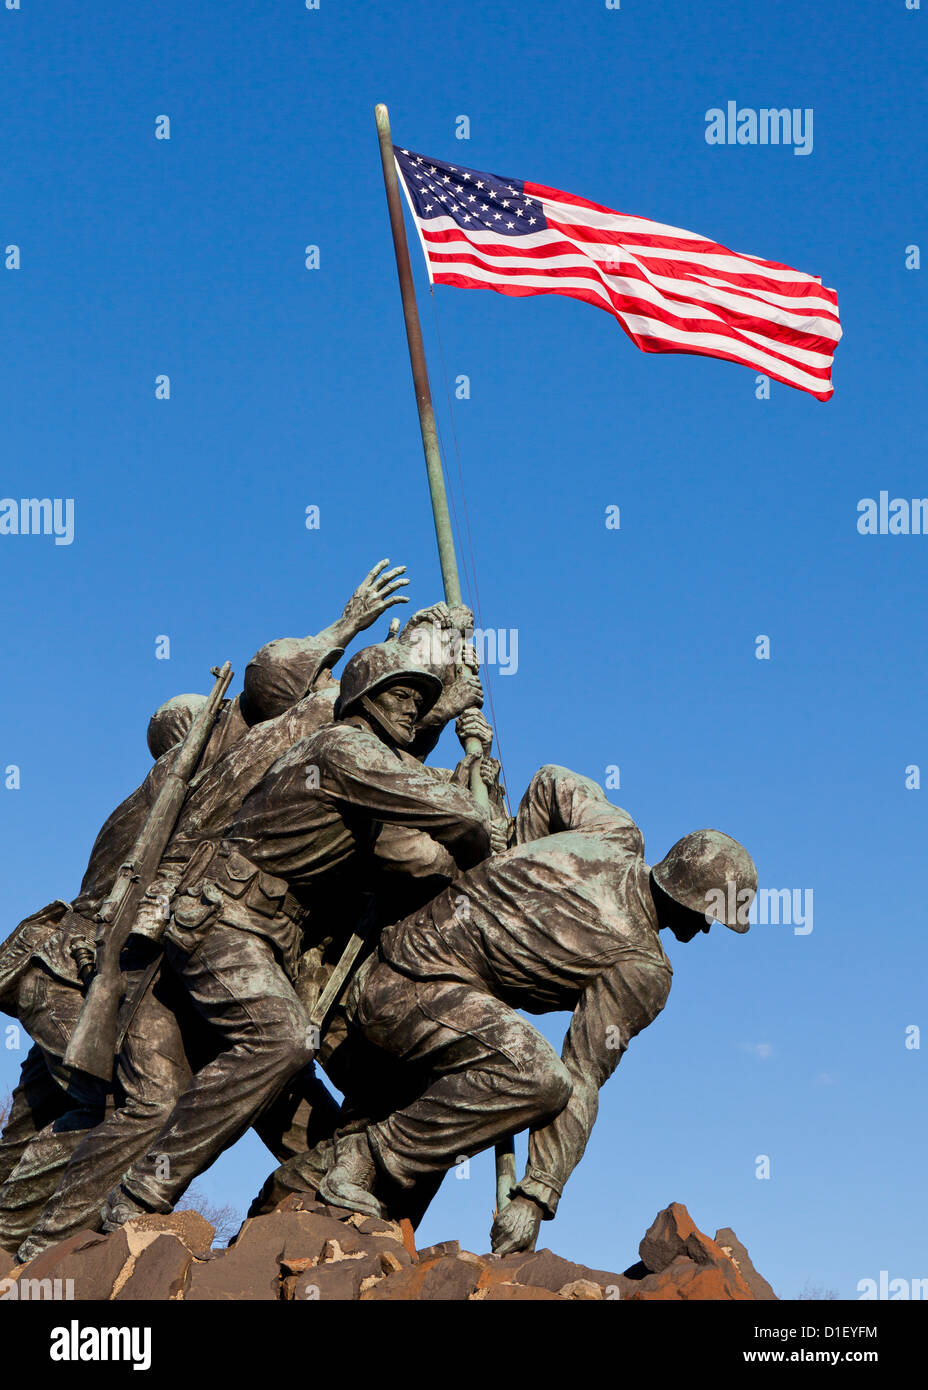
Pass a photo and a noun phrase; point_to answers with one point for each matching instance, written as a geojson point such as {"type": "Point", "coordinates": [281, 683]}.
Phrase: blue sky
{"type": "Point", "coordinates": [291, 387]}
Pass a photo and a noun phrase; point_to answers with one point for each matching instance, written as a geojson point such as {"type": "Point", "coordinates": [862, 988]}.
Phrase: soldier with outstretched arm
{"type": "Point", "coordinates": [568, 918]}
{"type": "Point", "coordinates": [301, 844]}
{"type": "Point", "coordinates": [40, 980]}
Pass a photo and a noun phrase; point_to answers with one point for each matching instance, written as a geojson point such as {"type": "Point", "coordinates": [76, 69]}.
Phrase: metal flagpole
{"type": "Point", "coordinates": [505, 1152]}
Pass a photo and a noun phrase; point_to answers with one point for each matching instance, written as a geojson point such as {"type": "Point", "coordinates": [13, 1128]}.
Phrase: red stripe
{"type": "Point", "coordinates": [644, 308]}
{"type": "Point", "coordinates": [716, 319]}
{"type": "Point", "coordinates": [692, 269]}
{"type": "Point", "coordinates": [748, 285]}
{"type": "Point", "coordinates": [748, 279]}
{"type": "Point", "coordinates": [646, 343]}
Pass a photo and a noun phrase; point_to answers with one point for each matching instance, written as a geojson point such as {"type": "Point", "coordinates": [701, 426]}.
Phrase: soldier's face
{"type": "Point", "coordinates": [685, 928]}
{"type": "Point", "coordinates": [401, 704]}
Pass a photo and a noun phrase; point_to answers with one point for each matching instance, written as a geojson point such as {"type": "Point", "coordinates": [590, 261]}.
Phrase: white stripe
{"type": "Point", "coordinates": [629, 288]}
{"type": "Point", "coordinates": [620, 222]}
{"type": "Point", "coordinates": [653, 328]}
{"type": "Point", "coordinates": [543, 237]}
{"type": "Point", "coordinates": [811, 324]}
{"type": "Point", "coordinates": [614, 221]}
{"type": "Point", "coordinates": [415, 217]}
{"type": "Point", "coordinates": [640, 255]}
{"type": "Point", "coordinates": [788, 300]}
{"type": "Point", "coordinates": [593, 249]}
{"type": "Point", "coordinates": [643, 290]}
{"type": "Point", "coordinates": [530, 281]}
{"type": "Point", "coordinates": [735, 264]}
{"type": "Point", "coordinates": [806, 355]}
{"type": "Point", "coordinates": [727, 298]}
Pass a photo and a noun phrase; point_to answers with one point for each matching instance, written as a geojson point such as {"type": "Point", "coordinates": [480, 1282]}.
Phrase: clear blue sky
{"type": "Point", "coordinates": [291, 387]}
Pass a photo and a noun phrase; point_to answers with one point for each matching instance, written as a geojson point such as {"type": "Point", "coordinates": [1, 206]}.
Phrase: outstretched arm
{"type": "Point", "coordinates": [370, 600]}
{"type": "Point", "coordinates": [283, 671]}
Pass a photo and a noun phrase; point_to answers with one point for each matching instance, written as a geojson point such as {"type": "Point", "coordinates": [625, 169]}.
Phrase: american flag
{"type": "Point", "coordinates": [671, 290]}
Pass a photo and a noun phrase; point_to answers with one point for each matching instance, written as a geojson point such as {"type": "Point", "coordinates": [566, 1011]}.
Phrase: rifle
{"type": "Point", "coordinates": [93, 1044]}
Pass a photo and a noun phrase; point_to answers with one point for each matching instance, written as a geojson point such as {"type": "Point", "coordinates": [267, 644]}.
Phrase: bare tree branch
{"type": "Point", "coordinates": [225, 1219]}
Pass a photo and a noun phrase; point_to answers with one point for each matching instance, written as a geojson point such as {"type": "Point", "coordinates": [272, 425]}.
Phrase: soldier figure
{"type": "Point", "coordinates": [40, 979]}
{"type": "Point", "coordinates": [233, 941]}
{"type": "Point", "coordinates": [568, 918]}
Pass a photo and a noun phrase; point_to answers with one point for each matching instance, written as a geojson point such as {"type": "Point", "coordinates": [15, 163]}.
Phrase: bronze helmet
{"type": "Point", "coordinates": [170, 722]}
{"type": "Point", "coordinates": [705, 870]}
{"type": "Point", "coordinates": [386, 663]}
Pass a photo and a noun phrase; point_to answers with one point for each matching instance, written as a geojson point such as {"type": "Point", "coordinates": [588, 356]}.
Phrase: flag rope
{"type": "Point", "coordinates": [470, 567]}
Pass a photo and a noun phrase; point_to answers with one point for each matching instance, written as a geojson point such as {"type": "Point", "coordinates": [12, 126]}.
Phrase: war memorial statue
{"type": "Point", "coordinates": [294, 886]}
{"type": "Point", "coordinates": [321, 895]}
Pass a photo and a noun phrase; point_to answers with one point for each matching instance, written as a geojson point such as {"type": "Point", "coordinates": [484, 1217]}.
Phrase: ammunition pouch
{"type": "Point", "coordinates": [221, 887]}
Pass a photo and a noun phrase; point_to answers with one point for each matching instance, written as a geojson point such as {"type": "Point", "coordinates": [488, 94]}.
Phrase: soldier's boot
{"type": "Point", "coordinates": [29, 1249]}
{"type": "Point", "coordinates": [120, 1207]}
{"type": "Point", "coordinates": [300, 1175]}
{"type": "Point", "coordinates": [349, 1181]}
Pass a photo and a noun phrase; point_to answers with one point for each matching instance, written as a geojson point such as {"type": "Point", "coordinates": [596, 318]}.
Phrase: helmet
{"type": "Point", "coordinates": [712, 874]}
{"type": "Point", "coordinates": [170, 722]}
{"type": "Point", "coordinates": [387, 663]}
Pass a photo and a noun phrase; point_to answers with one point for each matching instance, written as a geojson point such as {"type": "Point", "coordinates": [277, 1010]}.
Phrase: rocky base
{"type": "Point", "coordinates": [306, 1250]}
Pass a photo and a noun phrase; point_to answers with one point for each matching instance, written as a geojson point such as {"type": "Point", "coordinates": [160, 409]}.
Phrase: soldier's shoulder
{"type": "Point", "coordinates": [335, 741]}
{"type": "Point", "coordinates": [337, 734]}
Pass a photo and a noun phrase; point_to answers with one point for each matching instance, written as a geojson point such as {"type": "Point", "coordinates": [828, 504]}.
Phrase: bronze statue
{"type": "Point", "coordinates": [315, 847]}
{"type": "Point", "coordinates": [40, 980]}
{"type": "Point", "coordinates": [568, 918]}
{"type": "Point", "coordinates": [294, 854]}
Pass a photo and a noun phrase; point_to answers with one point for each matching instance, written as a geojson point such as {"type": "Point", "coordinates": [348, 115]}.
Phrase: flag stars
{"type": "Point", "coordinates": [488, 203]}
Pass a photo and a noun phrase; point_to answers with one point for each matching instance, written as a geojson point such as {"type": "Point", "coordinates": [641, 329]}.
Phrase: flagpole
{"type": "Point", "coordinates": [505, 1152]}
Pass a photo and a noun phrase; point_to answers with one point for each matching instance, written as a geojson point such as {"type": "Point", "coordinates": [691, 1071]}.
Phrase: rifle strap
{"type": "Point", "coordinates": [131, 1005]}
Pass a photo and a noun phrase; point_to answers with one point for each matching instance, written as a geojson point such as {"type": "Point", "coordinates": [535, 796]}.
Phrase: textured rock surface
{"type": "Point", "coordinates": [731, 1245]}
{"type": "Point", "coordinates": [307, 1251]}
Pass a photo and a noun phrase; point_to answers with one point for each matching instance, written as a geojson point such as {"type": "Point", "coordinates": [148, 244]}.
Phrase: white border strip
{"type": "Point", "coordinates": [428, 263]}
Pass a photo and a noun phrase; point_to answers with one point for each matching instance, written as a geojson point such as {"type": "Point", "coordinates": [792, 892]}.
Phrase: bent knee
{"type": "Point", "coordinates": [555, 1087]}
{"type": "Point", "coordinates": [289, 1038]}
